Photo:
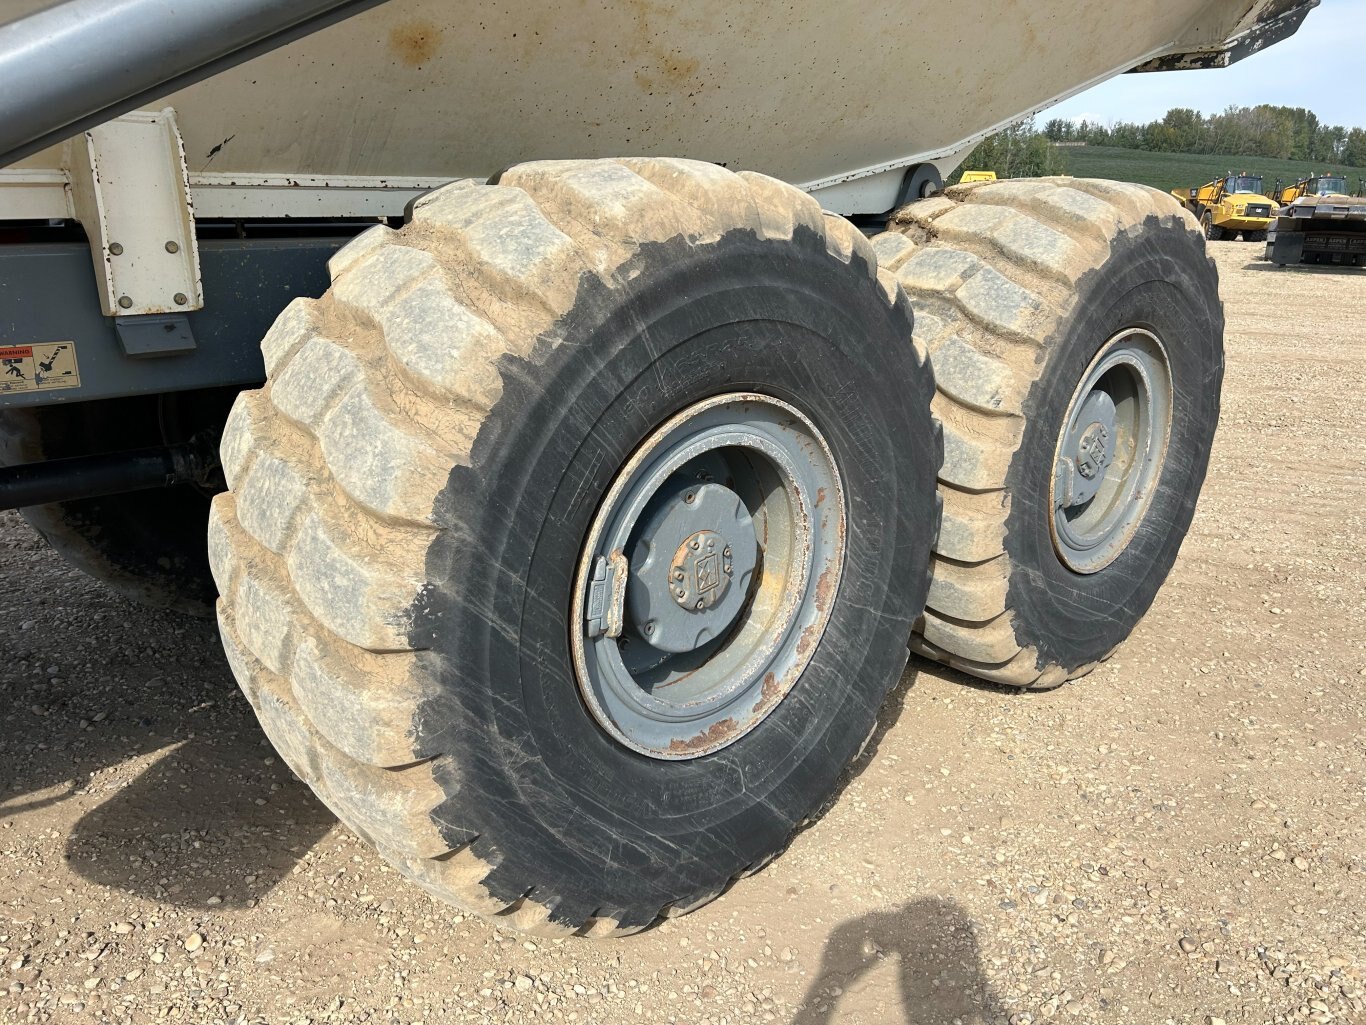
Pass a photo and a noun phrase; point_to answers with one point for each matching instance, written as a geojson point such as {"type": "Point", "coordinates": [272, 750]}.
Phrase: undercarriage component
{"type": "Point", "coordinates": [146, 544]}
{"type": "Point", "coordinates": [114, 473]}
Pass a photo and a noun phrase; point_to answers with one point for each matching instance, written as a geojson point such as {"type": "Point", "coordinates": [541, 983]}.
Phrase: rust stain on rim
{"type": "Point", "coordinates": [712, 737]}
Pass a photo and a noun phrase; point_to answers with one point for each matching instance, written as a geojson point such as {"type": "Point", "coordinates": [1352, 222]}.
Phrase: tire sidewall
{"type": "Point", "coordinates": [557, 797]}
{"type": "Point", "coordinates": [1157, 278]}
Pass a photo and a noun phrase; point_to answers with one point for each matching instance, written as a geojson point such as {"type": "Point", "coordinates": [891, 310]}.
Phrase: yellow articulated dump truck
{"type": "Point", "coordinates": [1230, 205]}
{"type": "Point", "coordinates": [1318, 221]}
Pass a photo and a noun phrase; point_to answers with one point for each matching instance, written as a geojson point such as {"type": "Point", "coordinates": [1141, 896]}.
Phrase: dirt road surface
{"type": "Point", "coordinates": [1180, 837]}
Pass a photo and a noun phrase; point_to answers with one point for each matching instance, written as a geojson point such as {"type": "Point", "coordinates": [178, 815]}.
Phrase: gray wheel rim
{"type": "Point", "coordinates": [1110, 451]}
{"type": "Point", "coordinates": [707, 576]}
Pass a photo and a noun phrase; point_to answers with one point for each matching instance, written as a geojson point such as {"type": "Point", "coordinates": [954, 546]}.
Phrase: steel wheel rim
{"type": "Point", "coordinates": [1111, 447]}
{"type": "Point", "coordinates": [707, 576]}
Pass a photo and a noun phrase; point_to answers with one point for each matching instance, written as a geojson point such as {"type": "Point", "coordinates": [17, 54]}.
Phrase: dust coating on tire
{"type": "Point", "coordinates": [1023, 291]}
{"type": "Point", "coordinates": [724, 526]}
{"type": "Point", "coordinates": [411, 493]}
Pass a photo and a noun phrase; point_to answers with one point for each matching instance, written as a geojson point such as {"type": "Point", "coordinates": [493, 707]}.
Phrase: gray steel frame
{"type": "Point", "coordinates": [48, 294]}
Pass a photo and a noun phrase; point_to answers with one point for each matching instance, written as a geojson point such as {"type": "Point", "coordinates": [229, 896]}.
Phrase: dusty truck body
{"type": "Point", "coordinates": [574, 413]}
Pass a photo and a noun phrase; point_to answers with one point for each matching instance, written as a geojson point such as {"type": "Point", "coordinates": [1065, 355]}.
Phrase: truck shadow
{"type": "Point", "coordinates": [128, 721]}
{"type": "Point", "coordinates": [928, 945]}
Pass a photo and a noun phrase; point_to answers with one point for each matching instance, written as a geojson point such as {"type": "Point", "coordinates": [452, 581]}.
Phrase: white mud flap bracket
{"type": "Point", "coordinates": [130, 190]}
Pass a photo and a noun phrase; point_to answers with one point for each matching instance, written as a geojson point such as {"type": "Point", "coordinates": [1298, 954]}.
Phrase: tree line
{"type": "Point", "coordinates": [1019, 151]}
{"type": "Point", "coordinates": [1282, 133]}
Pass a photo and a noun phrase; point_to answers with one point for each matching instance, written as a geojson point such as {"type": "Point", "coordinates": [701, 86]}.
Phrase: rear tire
{"type": "Point", "coordinates": [1255, 236]}
{"type": "Point", "coordinates": [1018, 288]}
{"type": "Point", "coordinates": [411, 493]}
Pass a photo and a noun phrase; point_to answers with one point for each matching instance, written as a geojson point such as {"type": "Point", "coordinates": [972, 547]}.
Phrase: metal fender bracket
{"type": "Point", "coordinates": [607, 596]}
{"type": "Point", "coordinates": [131, 191]}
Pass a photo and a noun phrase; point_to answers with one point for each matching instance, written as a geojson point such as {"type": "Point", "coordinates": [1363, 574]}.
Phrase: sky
{"type": "Point", "coordinates": [1319, 67]}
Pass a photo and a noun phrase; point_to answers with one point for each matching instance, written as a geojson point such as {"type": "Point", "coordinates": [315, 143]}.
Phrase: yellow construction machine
{"type": "Point", "coordinates": [1229, 206]}
{"type": "Point", "coordinates": [1318, 221]}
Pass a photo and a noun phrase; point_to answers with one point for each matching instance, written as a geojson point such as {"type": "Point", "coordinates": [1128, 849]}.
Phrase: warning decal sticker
{"type": "Point", "coordinates": [38, 367]}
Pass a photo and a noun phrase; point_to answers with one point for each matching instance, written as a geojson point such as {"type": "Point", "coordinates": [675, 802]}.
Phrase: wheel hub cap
{"type": "Point", "coordinates": [679, 604]}
{"type": "Point", "coordinates": [697, 570]}
{"type": "Point", "coordinates": [1110, 451]}
{"type": "Point", "coordinates": [708, 576]}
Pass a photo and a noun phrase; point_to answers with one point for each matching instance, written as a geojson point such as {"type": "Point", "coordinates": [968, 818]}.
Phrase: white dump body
{"type": "Point", "coordinates": [835, 97]}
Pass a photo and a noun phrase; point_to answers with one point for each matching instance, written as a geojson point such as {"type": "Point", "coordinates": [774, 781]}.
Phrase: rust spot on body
{"type": "Point", "coordinates": [415, 43]}
{"type": "Point", "coordinates": [676, 68]}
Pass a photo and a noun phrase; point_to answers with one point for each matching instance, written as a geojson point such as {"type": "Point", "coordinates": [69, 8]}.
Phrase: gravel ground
{"type": "Point", "coordinates": [1180, 837]}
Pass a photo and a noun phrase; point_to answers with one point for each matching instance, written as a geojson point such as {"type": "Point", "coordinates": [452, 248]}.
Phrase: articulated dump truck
{"type": "Point", "coordinates": [574, 413]}
{"type": "Point", "coordinates": [1318, 221]}
{"type": "Point", "coordinates": [1229, 206]}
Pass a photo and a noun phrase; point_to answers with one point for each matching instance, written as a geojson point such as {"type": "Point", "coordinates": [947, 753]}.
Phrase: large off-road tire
{"type": "Point", "coordinates": [145, 545]}
{"type": "Point", "coordinates": [1212, 231]}
{"type": "Point", "coordinates": [1034, 299]}
{"type": "Point", "coordinates": [409, 540]}
{"type": "Point", "coordinates": [1255, 236]}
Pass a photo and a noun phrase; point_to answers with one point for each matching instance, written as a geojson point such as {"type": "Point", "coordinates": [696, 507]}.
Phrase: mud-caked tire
{"type": "Point", "coordinates": [147, 546]}
{"type": "Point", "coordinates": [403, 540]}
{"type": "Point", "coordinates": [1033, 298]}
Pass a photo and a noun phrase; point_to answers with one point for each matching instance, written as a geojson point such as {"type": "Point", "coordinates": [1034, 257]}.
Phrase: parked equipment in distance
{"type": "Point", "coordinates": [1318, 221]}
{"type": "Point", "coordinates": [1229, 206]}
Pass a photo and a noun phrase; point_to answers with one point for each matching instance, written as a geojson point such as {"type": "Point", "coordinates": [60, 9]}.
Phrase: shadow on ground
{"type": "Point", "coordinates": [917, 964]}
{"type": "Point", "coordinates": [1305, 268]}
{"type": "Point", "coordinates": [122, 730]}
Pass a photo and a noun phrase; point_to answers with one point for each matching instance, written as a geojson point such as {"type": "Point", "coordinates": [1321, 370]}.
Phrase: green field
{"type": "Point", "coordinates": [1168, 171]}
